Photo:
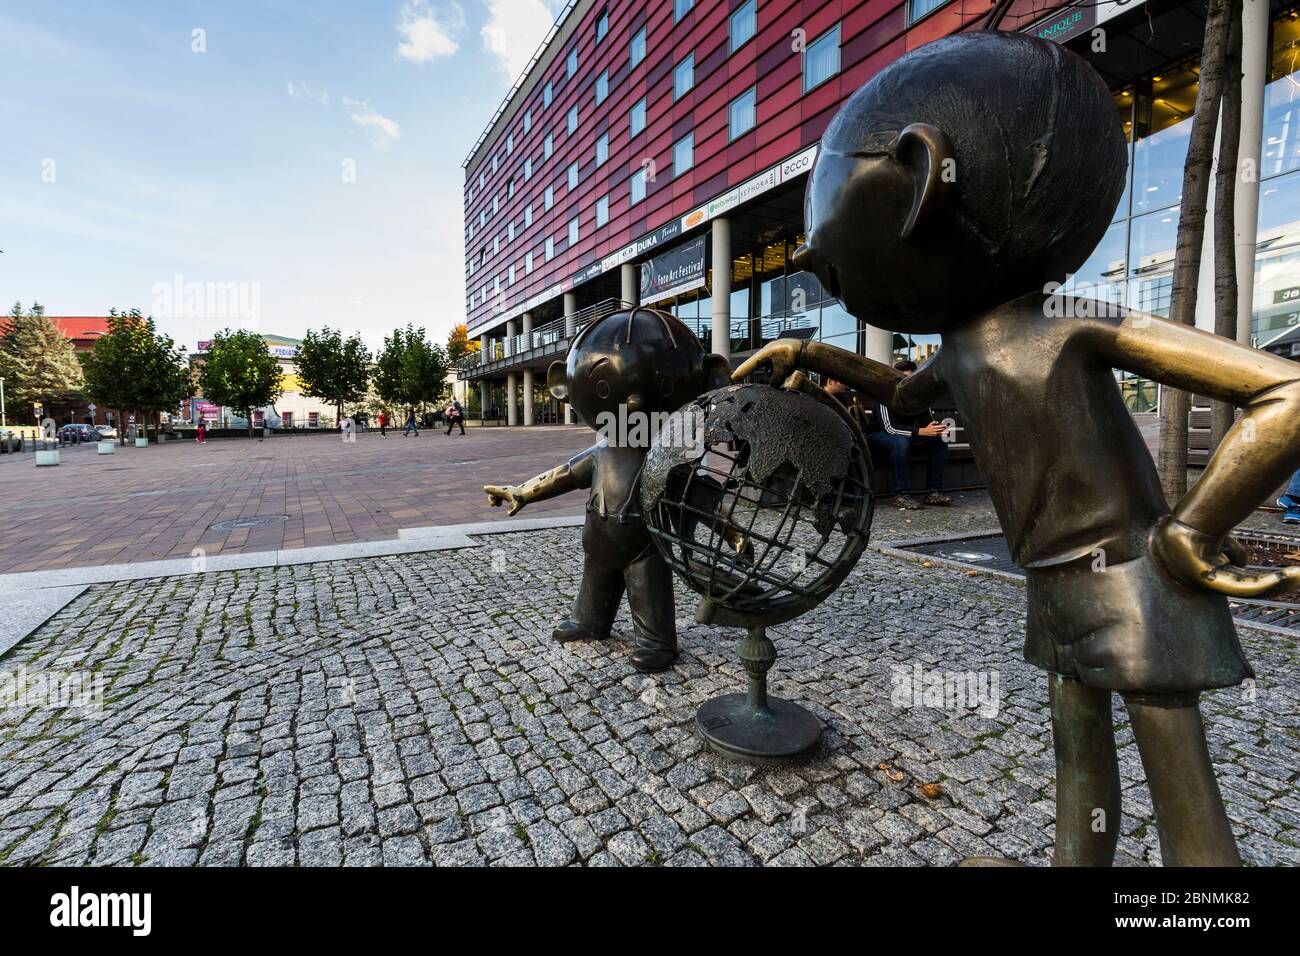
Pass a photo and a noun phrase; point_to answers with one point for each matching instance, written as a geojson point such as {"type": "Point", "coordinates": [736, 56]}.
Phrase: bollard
{"type": "Point", "coordinates": [106, 448]}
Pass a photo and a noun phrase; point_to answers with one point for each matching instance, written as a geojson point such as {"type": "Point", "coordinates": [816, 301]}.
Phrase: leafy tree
{"type": "Point", "coordinates": [39, 362]}
{"type": "Point", "coordinates": [410, 371]}
{"type": "Point", "coordinates": [240, 373]}
{"type": "Point", "coordinates": [134, 368]}
{"type": "Point", "coordinates": [459, 345]}
{"type": "Point", "coordinates": [334, 369]}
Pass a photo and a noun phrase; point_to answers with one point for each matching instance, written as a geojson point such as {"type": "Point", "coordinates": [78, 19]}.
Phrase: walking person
{"type": "Point", "coordinates": [383, 426]}
{"type": "Point", "coordinates": [201, 434]}
{"type": "Point", "coordinates": [1291, 500]}
{"type": "Point", "coordinates": [410, 424]}
{"type": "Point", "coordinates": [455, 416]}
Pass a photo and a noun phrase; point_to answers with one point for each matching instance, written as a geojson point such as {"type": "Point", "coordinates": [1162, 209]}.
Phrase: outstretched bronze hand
{"type": "Point", "coordinates": [505, 493]}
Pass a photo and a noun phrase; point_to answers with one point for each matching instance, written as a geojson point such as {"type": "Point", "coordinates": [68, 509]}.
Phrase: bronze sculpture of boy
{"type": "Point", "coordinates": [952, 193]}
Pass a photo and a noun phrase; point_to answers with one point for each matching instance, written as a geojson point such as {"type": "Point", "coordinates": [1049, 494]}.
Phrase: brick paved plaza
{"type": "Point", "coordinates": [411, 709]}
{"type": "Point", "coordinates": [146, 504]}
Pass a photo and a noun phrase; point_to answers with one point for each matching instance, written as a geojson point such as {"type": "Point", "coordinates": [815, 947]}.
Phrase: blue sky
{"type": "Point", "coordinates": [294, 164]}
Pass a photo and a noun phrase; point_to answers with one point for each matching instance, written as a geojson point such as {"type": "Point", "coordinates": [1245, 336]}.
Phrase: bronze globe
{"type": "Point", "coordinates": [760, 500]}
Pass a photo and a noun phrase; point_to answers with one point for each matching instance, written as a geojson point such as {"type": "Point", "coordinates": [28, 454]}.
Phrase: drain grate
{"type": "Point", "coordinates": [988, 552]}
{"type": "Point", "coordinates": [255, 521]}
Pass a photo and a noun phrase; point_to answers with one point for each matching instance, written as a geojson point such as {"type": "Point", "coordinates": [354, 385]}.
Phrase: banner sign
{"type": "Point", "coordinates": [782, 172]}
{"type": "Point", "coordinates": [1065, 24]}
{"type": "Point", "coordinates": [676, 271]}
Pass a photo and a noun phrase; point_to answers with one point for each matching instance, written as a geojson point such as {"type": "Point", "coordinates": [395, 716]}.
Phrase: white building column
{"type": "Point", "coordinates": [483, 349]}
{"type": "Point", "coordinates": [630, 282]}
{"type": "Point", "coordinates": [879, 345]}
{"type": "Point", "coordinates": [485, 398]}
{"type": "Point", "coordinates": [510, 339]}
{"type": "Point", "coordinates": [721, 291]}
{"type": "Point", "coordinates": [528, 373]}
{"type": "Point", "coordinates": [570, 328]}
{"type": "Point", "coordinates": [512, 411]}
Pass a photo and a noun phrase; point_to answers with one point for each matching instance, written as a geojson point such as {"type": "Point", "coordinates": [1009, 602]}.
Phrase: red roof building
{"type": "Point", "coordinates": [83, 330]}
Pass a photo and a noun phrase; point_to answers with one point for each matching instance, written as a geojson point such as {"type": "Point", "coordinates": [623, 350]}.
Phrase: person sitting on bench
{"type": "Point", "coordinates": [896, 434]}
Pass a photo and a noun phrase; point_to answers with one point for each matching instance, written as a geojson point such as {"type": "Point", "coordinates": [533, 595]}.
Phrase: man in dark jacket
{"type": "Point", "coordinates": [896, 434]}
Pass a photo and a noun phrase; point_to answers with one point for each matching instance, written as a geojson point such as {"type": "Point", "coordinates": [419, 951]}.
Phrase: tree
{"type": "Point", "coordinates": [334, 369]}
{"type": "Point", "coordinates": [459, 345]}
{"type": "Point", "coordinates": [39, 362]}
{"type": "Point", "coordinates": [240, 373]}
{"type": "Point", "coordinates": [134, 368]}
{"type": "Point", "coordinates": [1176, 403]}
{"type": "Point", "coordinates": [411, 371]}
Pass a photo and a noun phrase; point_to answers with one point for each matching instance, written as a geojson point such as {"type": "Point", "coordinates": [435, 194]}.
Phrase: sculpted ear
{"type": "Point", "coordinates": [717, 371]}
{"type": "Point", "coordinates": [557, 381]}
{"type": "Point", "coordinates": [926, 152]}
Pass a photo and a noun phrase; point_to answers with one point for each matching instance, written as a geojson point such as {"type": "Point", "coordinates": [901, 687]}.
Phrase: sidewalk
{"type": "Point", "coordinates": [411, 709]}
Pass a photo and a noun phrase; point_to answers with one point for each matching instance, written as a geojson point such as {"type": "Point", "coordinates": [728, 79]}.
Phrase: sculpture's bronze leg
{"type": "Point", "coordinates": [1087, 774]}
{"type": "Point", "coordinates": [1193, 825]}
{"type": "Point", "coordinates": [596, 605]}
{"type": "Point", "coordinates": [650, 598]}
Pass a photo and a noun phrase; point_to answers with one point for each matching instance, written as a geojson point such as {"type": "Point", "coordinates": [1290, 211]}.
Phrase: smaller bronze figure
{"type": "Point", "coordinates": [952, 193]}
{"type": "Point", "coordinates": [620, 372]}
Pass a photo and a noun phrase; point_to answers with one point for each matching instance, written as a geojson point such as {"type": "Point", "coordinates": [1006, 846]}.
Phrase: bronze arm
{"type": "Point", "coordinates": [572, 475]}
{"type": "Point", "coordinates": [1259, 452]}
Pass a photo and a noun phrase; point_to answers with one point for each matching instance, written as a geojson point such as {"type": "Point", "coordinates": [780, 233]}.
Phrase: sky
{"type": "Point", "coordinates": [276, 165]}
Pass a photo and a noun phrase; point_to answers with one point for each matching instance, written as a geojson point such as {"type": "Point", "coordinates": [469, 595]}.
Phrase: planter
{"type": "Point", "coordinates": [44, 458]}
{"type": "Point", "coordinates": [106, 448]}
{"type": "Point", "coordinates": [142, 443]}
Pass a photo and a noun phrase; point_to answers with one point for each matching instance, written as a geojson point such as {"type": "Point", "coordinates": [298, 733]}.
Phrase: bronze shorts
{"type": "Point", "coordinates": [1131, 627]}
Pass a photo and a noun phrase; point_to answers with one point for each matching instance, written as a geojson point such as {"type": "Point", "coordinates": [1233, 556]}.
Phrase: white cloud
{"type": "Point", "coordinates": [382, 130]}
{"type": "Point", "coordinates": [428, 33]}
{"type": "Point", "coordinates": [514, 30]}
{"type": "Point", "coordinates": [302, 91]}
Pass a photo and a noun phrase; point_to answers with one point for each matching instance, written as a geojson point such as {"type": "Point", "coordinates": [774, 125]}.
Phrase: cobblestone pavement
{"type": "Point", "coordinates": [413, 710]}
{"type": "Point", "coordinates": [148, 504]}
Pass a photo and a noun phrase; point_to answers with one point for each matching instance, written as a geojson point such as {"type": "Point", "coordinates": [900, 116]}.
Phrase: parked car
{"type": "Point", "coordinates": [77, 432]}
{"type": "Point", "coordinates": [106, 431]}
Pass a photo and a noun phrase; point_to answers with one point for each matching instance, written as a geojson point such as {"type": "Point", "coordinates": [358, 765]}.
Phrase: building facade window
{"type": "Point", "coordinates": [548, 145]}
{"type": "Point", "coordinates": [916, 9]}
{"type": "Point", "coordinates": [602, 25]}
{"type": "Point", "coordinates": [528, 169]}
{"type": "Point", "coordinates": [602, 149]}
{"type": "Point", "coordinates": [528, 121]}
{"type": "Point", "coordinates": [638, 184]}
{"type": "Point", "coordinates": [636, 50]}
{"type": "Point", "coordinates": [821, 60]}
{"type": "Point", "coordinates": [742, 113]}
{"type": "Point", "coordinates": [636, 118]}
{"type": "Point", "coordinates": [573, 120]}
{"type": "Point", "coordinates": [602, 87]}
{"type": "Point", "coordinates": [550, 248]}
{"type": "Point", "coordinates": [684, 154]}
{"type": "Point", "coordinates": [573, 232]}
{"type": "Point", "coordinates": [681, 8]}
{"type": "Point", "coordinates": [572, 62]}
{"type": "Point", "coordinates": [684, 76]}
{"type": "Point", "coordinates": [744, 24]}
{"type": "Point", "coordinates": [528, 216]}
{"type": "Point", "coordinates": [602, 211]}
{"type": "Point", "coordinates": [573, 176]}
{"type": "Point", "coordinates": [548, 94]}
{"type": "Point", "coordinates": [548, 197]}
{"type": "Point", "coordinates": [528, 263]}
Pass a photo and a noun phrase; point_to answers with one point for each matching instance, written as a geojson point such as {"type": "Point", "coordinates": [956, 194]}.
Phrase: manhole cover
{"type": "Point", "coordinates": [256, 521]}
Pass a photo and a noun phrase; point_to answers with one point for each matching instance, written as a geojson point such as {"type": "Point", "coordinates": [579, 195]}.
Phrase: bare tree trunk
{"type": "Point", "coordinates": [1176, 403]}
{"type": "Point", "coordinates": [1225, 213]}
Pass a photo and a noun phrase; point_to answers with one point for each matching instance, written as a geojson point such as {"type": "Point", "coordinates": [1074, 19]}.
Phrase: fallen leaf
{"type": "Point", "coordinates": [931, 791]}
{"type": "Point", "coordinates": [896, 776]}
{"type": "Point", "coordinates": [927, 564]}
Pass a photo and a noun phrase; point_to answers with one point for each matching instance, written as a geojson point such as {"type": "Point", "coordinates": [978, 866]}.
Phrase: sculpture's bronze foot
{"type": "Point", "coordinates": [650, 660]}
{"type": "Point", "coordinates": [990, 861]}
{"type": "Point", "coordinates": [568, 631]}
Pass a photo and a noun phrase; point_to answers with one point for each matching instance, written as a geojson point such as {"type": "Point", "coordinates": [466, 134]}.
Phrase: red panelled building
{"type": "Point", "coordinates": [656, 152]}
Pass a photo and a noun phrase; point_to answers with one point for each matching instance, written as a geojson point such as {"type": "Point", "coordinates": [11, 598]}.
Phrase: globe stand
{"type": "Point", "coordinates": [753, 727]}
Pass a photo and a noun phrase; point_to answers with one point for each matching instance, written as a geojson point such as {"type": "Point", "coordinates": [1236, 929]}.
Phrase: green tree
{"type": "Point", "coordinates": [334, 369]}
{"type": "Point", "coordinates": [411, 371]}
{"type": "Point", "coordinates": [39, 362]}
{"type": "Point", "coordinates": [134, 368]}
{"type": "Point", "coordinates": [459, 345]}
{"type": "Point", "coordinates": [240, 373]}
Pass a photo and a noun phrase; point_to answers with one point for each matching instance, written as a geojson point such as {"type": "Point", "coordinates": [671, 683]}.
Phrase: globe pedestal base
{"type": "Point", "coordinates": [753, 727]}
{"type": "Point", "coordinates": [783, 734]}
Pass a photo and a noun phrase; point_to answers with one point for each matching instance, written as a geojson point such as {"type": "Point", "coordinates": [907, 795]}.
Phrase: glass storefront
{"type": "Point", "coordinates": [1133, 263]}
